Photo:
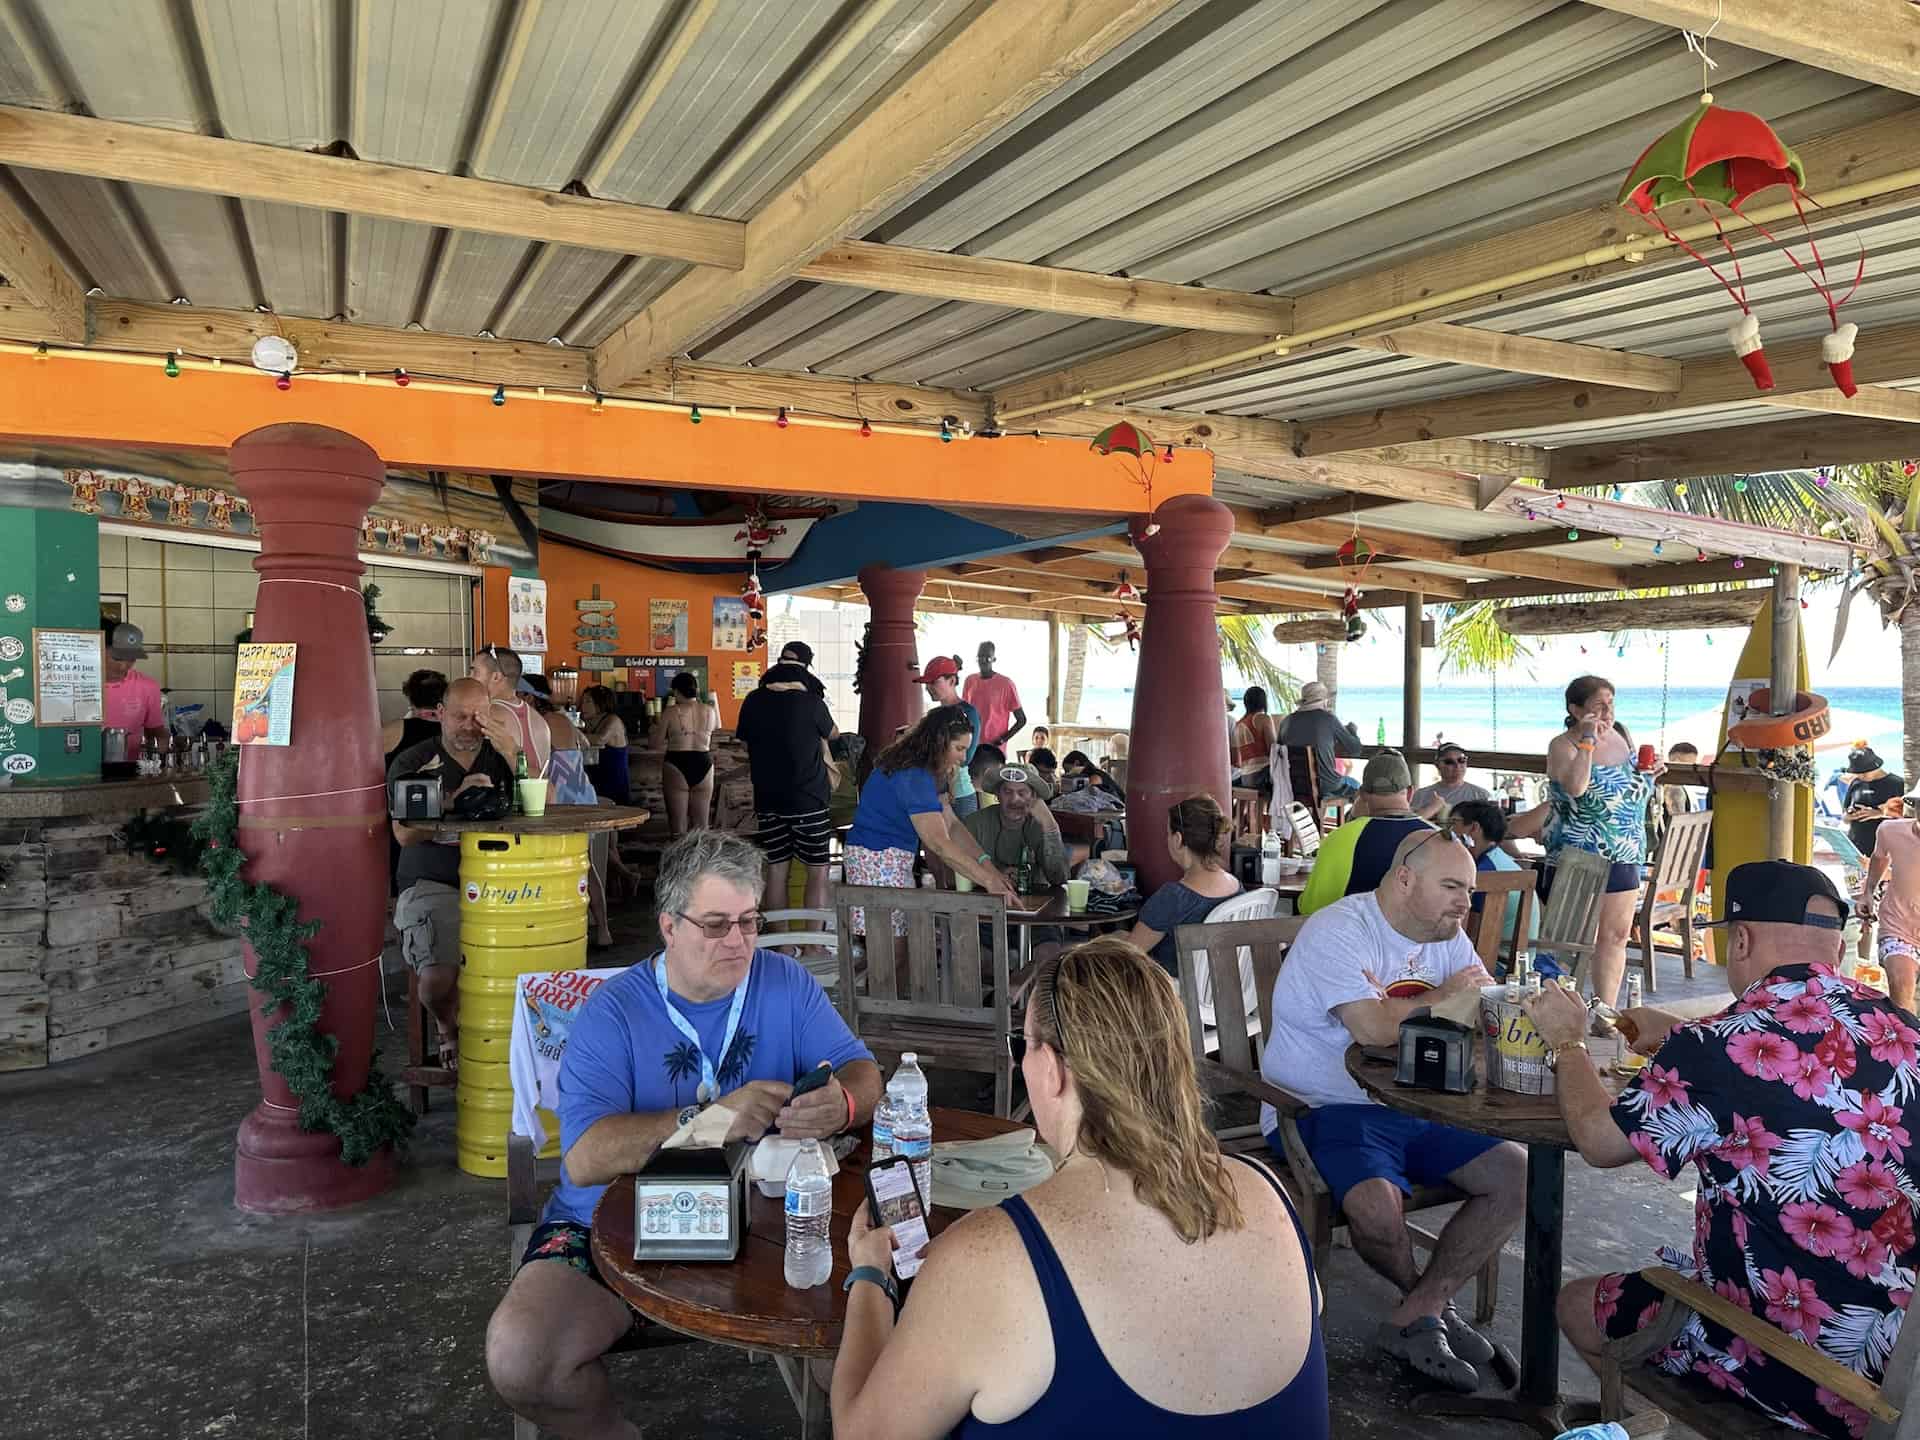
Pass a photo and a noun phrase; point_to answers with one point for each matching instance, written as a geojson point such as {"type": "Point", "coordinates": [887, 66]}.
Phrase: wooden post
{"type": "Point", "coordinates": [1785, 682]}
{"type": "Point", "coordinates": [1410, 681]}
{"type": "Point", "coordinates": [1053, 673]}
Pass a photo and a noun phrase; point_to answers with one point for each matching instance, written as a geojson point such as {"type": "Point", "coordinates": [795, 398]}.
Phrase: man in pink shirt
{"type": "Point", "coordinates": [1896, 860]}
{"type": "Point", "coordinates": [995, 697]}
{"type": "Point", "coordinates": [133, 699]}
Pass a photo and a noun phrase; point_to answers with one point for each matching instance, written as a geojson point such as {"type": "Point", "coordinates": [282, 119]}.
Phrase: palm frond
{"type": "Point", "coordinates": [1472, 642]}
{"type": "Point", "coordinates": [1240, 637]}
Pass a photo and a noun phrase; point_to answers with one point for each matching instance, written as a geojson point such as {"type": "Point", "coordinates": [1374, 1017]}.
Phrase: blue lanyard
{"type": "Point", "coordinates": [709, 1084]}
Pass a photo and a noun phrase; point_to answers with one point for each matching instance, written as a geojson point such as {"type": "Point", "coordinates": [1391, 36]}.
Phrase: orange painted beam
{"type": "Point", "coordinates": [75, 398]}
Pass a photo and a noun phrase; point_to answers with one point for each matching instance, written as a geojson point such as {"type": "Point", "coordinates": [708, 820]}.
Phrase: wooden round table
{"type": "Point", "coordinates": [1049, 907]}
{"type": "Point", "coordinates": [1535, 1122]}
{"type": "Point", "coordinates": [747, 1302]}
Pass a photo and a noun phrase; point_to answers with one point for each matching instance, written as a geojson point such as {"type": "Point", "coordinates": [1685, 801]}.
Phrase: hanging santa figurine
{"type": "Point", "coordinates": [1133, 631]}
{"type": "Point", "coordinates": [1124, 590]}
{"type": "Point", "coordinates": [758, 531]}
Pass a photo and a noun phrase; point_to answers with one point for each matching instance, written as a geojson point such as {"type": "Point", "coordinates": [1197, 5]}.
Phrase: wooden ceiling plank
{"type": "Point", "coordinates": [1732, 449]}
{"type": "Point", "coordinates": [1875, 402]}
{"type": "Point", "coordinates": [1714, 537]}
{"type": "Point", "coordinates": [179, 160]}
{"type": "Point", "coordinates": [1444, 552]}
{"type": "Point", "coordinates": [1012, 54]}
{"type": "Point", "coordinates": [37, 275]}
{"type": "Point", "coordinates": [902, 270]}
{"type": "Point", "coordinates": [1877, 40]}
{"type": "Point", "coordinates": [1526, 355]}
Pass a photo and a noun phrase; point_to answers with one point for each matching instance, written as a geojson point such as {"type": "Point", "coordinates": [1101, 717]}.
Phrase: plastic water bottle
{"type": "Point", "coordinates": [809, 1210]}
{"type": "Point", "coordinates": [883, 1127]}
{"type": "Point", "coordinates": [913, 1122]}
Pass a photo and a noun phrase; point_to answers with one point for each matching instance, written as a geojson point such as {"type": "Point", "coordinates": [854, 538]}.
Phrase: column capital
{"type": "Point", "coordinates": [885, 586]}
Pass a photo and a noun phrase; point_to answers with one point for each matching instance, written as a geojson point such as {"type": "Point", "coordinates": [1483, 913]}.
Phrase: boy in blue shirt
{"type": "Point", "coordinates": [709, 1021]}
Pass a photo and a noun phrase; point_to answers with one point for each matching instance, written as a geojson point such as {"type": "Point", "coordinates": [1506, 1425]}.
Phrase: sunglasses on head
{"type": "Point", "coordinates": [1456, 757]}
{"type": "Point", "coordinates": [1452, 835]}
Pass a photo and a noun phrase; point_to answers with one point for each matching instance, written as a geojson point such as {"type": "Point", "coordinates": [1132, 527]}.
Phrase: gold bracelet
{"type": "Point", "coordinates": [1553, 1055]}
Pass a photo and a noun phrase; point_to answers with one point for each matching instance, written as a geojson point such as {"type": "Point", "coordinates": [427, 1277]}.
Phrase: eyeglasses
{"type": "Point", "coordinates": [1453, 759]}
{"type": "Point", "coordinates": [750, 925]}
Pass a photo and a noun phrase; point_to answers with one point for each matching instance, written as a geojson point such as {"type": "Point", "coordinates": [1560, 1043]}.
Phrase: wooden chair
{"type": "Point", "coordinates": [956, 1011]}
{"type": "Point", "coordinates": [1249, 816]}
{"type": "Point", "coordinates": [816, 933]}
{"type": "Point", "coordinates": [1713, 1412]}
{"type": "Point", "coordinates": [1217, 948]}
{"type": "Point", "coordinates": [1304, 776]}
{"type": "Point", "coordinates": [422, 1075]}
{"type": "Point", "coordinates": [1676, 872]}
{"type": "Point", "coordinates": [1489, 925]}
{"type": "Point", "coordinates": [1570, 924]}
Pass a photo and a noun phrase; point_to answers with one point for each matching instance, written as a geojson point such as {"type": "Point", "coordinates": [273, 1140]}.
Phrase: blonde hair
{"type": "Point", "coordinates": [1108, 1011]}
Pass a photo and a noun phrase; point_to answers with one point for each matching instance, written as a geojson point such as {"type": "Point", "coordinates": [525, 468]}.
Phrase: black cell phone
{"type": "Point", "coordinates": [812, 1080]}
{"type": "Point", "coordinates": [894, 1199]}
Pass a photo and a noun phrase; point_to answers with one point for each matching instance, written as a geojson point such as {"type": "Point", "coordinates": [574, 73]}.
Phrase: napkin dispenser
{"type": "Point", "coordinates": [1437, 1054]}
{"type": "Point", "coordinates": [414, 797]}
{"type": "Point", "coordinates": [691, 1205]}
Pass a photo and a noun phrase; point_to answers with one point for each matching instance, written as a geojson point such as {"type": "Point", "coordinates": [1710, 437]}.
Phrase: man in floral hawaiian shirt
{"type": "Point", "coordinates": [1793, 1105]}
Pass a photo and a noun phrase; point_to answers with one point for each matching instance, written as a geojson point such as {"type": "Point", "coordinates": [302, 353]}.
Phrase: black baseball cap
{"type": "Point", "coordinates": [798, 651]}
{"type": "Point", "coordinates": [1776, 892]}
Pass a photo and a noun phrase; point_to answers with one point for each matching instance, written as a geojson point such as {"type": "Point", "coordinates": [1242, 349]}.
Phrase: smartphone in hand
{"type": "Point", "coordinates": [894, 1200]}
{"type": "Point", "coordinates": [811, 1081]}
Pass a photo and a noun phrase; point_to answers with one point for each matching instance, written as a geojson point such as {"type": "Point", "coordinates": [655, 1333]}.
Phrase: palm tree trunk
{"type": "Point", "coordinates": [1910, 691]}
{"type": "Point", "coordinates": [1076, 675]}
{"type": "Point", "coordinates": [1326, 669]}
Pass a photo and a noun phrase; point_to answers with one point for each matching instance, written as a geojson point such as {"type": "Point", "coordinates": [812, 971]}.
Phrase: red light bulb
{"type": "Point", "coordinates": [284, 381]}
{"type": "Point", "coordinates": [781, 418]}
{"type": "Point", "coordinates": [866, 430]}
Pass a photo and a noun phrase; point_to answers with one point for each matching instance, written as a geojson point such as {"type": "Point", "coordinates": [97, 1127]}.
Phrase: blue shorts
{"type": "Point", "coordinates": [1346, 785]}
{"type": "Point", "coordinates": [1621, 875]}
{"type": "Point", "coordinates": [1351, 1143]}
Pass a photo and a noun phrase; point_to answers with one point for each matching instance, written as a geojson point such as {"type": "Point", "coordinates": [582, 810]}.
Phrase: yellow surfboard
{"type": "Point", "coordinates": [1740, 822]}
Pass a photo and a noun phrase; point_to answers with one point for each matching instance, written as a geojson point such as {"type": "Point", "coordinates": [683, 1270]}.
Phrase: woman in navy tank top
{"type": "Point", "coordinates": [1151, 1287]}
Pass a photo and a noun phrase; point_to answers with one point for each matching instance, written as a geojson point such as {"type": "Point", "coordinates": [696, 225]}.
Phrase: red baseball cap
{"type": "Point", "coordinates": [936, 667]}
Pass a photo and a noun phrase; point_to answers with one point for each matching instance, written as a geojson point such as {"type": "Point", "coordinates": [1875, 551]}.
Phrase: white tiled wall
{"type": "Point", "coordinates": [183, 594]}
{"type": "Point", "coordinates": [834, 633]}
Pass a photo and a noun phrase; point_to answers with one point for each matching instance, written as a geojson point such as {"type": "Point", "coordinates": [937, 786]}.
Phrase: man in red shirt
{"type": "Point", "coordinates": [133, 698]}
{"type": "Point", "coordinates": [996, 698]}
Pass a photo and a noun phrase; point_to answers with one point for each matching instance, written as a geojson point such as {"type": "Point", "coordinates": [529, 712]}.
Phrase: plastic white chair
{"type": "Point", "coordinates": [1258, 904]}
{"type": "Point", "coordinates": [817, 934]}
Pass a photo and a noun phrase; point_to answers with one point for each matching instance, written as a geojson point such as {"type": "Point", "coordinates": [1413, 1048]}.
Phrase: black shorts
{"type": "Point", "coordinates": [570, 1243]}
{"type": "Point", "coordinates": [807, 837]}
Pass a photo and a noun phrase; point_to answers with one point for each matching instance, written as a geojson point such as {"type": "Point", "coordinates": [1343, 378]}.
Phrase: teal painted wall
{"type": "Point", "coordinates": [51, 558]}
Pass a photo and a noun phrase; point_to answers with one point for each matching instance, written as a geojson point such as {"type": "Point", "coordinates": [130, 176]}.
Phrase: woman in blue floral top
{"type": "Point", "coordinates": [1599, 804]}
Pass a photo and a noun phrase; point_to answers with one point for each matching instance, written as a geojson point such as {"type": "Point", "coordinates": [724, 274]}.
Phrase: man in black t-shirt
{"type": "Point", "coordinates": [1868, 791]}
{"type": "Point", "coordinates": [427, 914]}
{"type": "Point", "coordinates": [786, 727]}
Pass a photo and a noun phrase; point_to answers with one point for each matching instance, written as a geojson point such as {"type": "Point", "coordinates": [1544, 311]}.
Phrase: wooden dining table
{"type": "Point", "coordinates": [1533, 1121]}
{"type": "Point", "coordinates": [1049, 907]}
{"type": "Point", "coordinates": [746, 1302]}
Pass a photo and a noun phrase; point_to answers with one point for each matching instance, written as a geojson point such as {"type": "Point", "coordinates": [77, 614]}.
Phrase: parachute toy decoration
{"type": "Point", "coordinates": [1723, 158]}
{"type": "Point", "coordinates": [1125, 438]}
{"type": "Point", "coordinates": [1355, 558]}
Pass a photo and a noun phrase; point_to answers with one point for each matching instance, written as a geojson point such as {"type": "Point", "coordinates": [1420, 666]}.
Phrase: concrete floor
{"type": "Point", "coordinates": [136, 1301]}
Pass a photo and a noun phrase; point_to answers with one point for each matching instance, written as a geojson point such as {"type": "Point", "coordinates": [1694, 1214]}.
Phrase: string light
{"type": "Point", "coordinates": [283, 381]}
{"type": "Point", "coordinates": [1617, 542]}
{"type": "Point", "coordinates": [1573, 534]}
{"type": "Point", "coordinates": [1619, 493]}
{"type": "Point", "coordinates": [1822, 478]}
{"type": "Point", "coordinates": [1532, 516]}
{"type": "Point", "coordinates": [1681, 489]}
{"type": "Point", "coordinates": [599, 404]}
{"type": "Point", "coordinates": [172, 367]}
{"type": "Point", "coordinates": [401, 378]}
{"type": "Point", "coordinates": [1561, 503]}
{"type": "Point", "coordinates": [499, 395]}
{"type": "Point", "coordinates": [866, 429]}
{"type": "Point", "coordinates": [1168, 457]}
{"type": "Point", "coordinates": [1908, 468]}
{"type": "Point", "coordinates": [1773, 569]}
{"type": "Point", "coordinates": [1740, 487]}
{"type": "Point", "coordinates": [693, 415]}
{"type": "Point", "coordinates": [946, 433]}
{"type": "Point", "coordinates": [40, 351]}
{"type": "Point", "coordinates": [1739, 562]}
{"type": "Point", "coordinates": [1658, 546]}
{"type": "Point", "coordinates": [781, 419]}
{"type": "Point", "coordinates": [1700, 555]}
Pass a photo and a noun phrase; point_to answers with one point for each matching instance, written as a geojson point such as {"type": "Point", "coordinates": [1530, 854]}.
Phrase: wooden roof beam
{"type": "Point", "coordinates": [1107, 566]}
{"type": "Point", "coordinates": [1012, 55]}
{"type": "Point", "coordinates": [1797, 444]}
{"type": "Point", "coordinates": [1333, 533]}
{"type": "Point", "coordinates": [1892, 355]}
{"type": "Point", "coordinates": [35, 272]}
{"type": "Point", "coordinates": [1873, 40]}
{"type": "Point", "coordinates": [1715, 537]}
{"type": "Point", "coordinates": [901, 270]}
{"type": "Point", "coordinates": [1525, 355]}
{"type": "Point", "coordinates": [1457, 281]}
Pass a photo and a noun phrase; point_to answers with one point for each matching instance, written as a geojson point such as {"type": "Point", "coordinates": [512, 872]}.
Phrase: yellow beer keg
{"type": "Point", "coordinates": [523, 908]}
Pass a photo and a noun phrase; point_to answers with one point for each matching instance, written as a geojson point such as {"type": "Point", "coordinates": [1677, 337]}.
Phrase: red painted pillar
{"type": "Point", "coordinates": [1179, 745]}
{"type": "Point", "coordinates": [888, 696]}
{"type": "Point", "coordinates": [313, 813]}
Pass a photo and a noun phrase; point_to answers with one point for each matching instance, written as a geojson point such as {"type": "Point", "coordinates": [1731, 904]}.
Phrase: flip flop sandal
{"type": "Point", "coordinates": [1423, 1345]}
{"type": "Point", "coordinates": [449, 1053]}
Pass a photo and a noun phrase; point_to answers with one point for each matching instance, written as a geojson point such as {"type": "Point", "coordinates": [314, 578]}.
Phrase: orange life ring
{"type": "Point", "coordinates": [1807, 722]}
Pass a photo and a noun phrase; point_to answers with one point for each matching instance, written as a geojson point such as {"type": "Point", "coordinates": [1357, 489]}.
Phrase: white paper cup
{"type": "Point", "coordinates": [533, 797]}
{"type": "Point", "coordinates": [1077, 891]}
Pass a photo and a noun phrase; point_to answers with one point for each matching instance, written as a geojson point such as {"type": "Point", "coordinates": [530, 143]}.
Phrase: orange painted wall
{"type": "Point", "coordinates": [85, 400]}
{"type": "Point", "coordinates": [572, 573]}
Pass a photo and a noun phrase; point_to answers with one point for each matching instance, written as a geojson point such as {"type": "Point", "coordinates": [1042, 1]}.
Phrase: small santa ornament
{"type": "Point", "coordinates": [1744, 336]}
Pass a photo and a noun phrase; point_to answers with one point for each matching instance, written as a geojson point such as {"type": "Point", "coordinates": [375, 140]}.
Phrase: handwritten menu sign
{"type": "Point", "coordinates": [70, 676]}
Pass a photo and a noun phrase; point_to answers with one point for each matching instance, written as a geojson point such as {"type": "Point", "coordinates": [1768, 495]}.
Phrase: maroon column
{"type": "Point", "coordinates": [313, 813]}
{"type": "Point", "coordinates": [888, 696]}
{"type": "Point", "coordinates": [1179, 745]}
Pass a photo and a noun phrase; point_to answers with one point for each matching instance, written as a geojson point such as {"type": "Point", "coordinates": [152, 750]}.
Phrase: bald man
{"type": "Point", "coordinates": [427, 914]}
{"type": "Point", "coordinates": [511, 725]}
{"type": "Point", "coordinates": [1360, 967]}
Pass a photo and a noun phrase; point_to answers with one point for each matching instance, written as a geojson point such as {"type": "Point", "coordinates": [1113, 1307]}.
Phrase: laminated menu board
{"type": "Point", "coordinates": [667, 626]}
{"type": "Point", "coordinates": [263, 694]}
{"type": "Point", "coordinates": [69, 676]}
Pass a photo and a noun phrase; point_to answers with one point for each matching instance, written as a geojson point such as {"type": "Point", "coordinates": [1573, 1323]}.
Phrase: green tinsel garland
{"type": "Point", "coordinates": [301, 1055]}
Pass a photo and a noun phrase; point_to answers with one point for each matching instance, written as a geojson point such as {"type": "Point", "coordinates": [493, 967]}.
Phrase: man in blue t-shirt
{"type": "Point", "coordinates": [709, 1021]}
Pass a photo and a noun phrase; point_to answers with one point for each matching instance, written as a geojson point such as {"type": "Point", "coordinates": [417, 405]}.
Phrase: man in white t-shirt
{"type": "Point", "coordinates": [1360, 967]}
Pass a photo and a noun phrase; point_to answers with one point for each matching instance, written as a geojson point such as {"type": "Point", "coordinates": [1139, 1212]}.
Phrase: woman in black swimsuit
{"type": "Point", "coordinates": [686, 734]}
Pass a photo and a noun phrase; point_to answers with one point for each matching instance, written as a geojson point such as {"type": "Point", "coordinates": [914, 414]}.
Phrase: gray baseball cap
{"type": "Point", "coordinates": [128, 642]}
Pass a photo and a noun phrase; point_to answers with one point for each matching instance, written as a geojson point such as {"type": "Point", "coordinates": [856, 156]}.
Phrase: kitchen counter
{"type": "Point", "coordinates": [43, 799]}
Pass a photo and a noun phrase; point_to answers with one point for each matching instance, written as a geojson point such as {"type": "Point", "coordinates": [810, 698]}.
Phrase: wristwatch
{"type": "Point", "coordinates": [878, 1277]}
{"type": "Point", "coordinates": [685, 1117]}
{"type": "Point", "coordinates": [1553, 1055]}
